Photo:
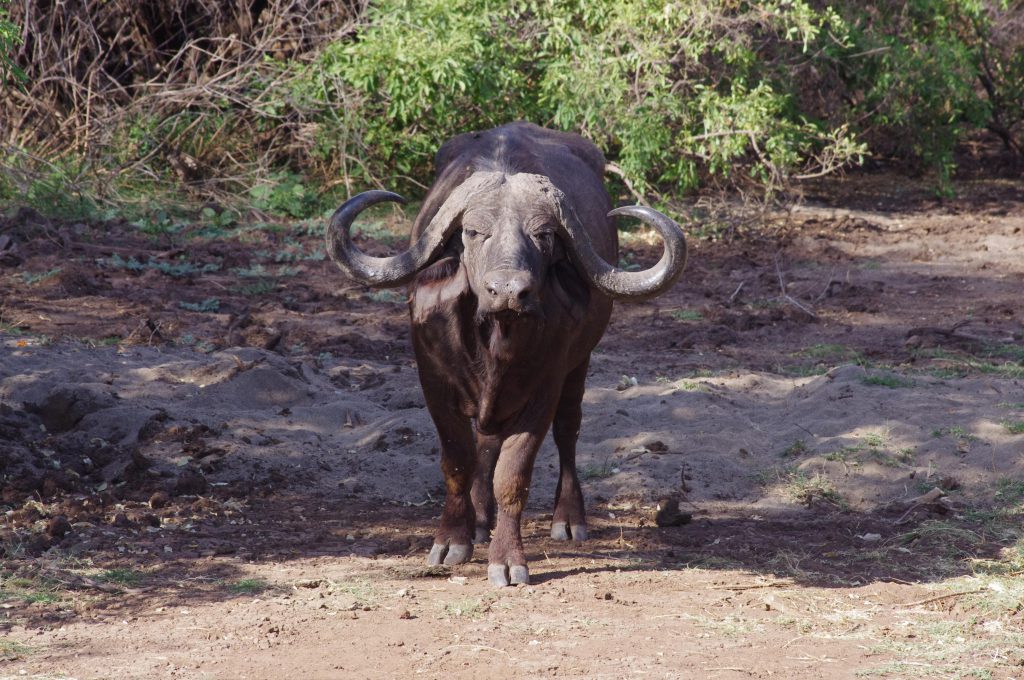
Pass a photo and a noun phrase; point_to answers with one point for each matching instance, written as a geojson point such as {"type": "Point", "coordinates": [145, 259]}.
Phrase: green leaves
{"type": "Point", "coordinates": [10, 37]}
{"type": "Point", "coordinates": [675, 92]}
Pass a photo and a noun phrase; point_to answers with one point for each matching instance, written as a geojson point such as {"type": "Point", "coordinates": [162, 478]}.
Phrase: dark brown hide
{"type": "Point", "coordinates": [512, 276]}
{"type": "Point", "coordinates": [510, 374]}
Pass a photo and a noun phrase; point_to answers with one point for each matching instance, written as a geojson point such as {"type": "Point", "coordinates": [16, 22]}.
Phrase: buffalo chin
{"type": "Point", "coordinates": [509, 333]}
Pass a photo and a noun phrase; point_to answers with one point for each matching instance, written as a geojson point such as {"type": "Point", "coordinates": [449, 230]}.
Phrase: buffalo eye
{"type": "Point", "coordinates": [473, 234]}
{"type": "Point", "coordinates": [544, 238]}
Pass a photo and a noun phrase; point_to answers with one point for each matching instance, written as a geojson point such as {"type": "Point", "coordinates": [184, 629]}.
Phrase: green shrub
{"type": "Point", "coordinates": [10, 37]}
{"type": "Point", "coordinates": [676, 93]}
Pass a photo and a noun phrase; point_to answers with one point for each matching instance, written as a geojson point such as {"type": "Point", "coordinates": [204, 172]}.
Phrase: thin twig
{"type": "Point", "coordinates": [786, 296]}
{"type": "Point", "coordinates": [776, 584]}
{"type": "Point", "coordinates": [737, 291]}
{"type": "Point", "coordinates": [616, 170]}
{"type": "Point", "coordinates": [941, 597]}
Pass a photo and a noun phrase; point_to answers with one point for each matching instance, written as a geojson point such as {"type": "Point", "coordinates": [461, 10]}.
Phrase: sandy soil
{"type": "Point", "coordinates": [216, 461]}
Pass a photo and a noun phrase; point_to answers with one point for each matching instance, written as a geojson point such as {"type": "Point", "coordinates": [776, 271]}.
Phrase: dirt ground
{"type": "Point", "coordinates": [805, 461]}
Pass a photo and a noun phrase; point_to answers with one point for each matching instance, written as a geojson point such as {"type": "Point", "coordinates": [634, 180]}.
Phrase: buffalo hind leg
{"type": "Point", "coordinates": [453, 542]}
{"type": "Point", "coordinates": [482, 494]}
{"type": "Point", "coordinates": [569, 520]}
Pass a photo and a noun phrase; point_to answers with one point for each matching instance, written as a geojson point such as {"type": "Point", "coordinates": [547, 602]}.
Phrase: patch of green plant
{"type": "Point", "coordinates": [284, 193]}
{"type": "Point", "coordinates": [890, 381]}
{"type": "Point", "coordinates": [470, 608]}
{"type": "Point", "coordinates": [1014, 427]}
{"type": "Point", "coordinates": [30, 279]}
{"type": "Point", "coordinates": [1013, 405]}
{"type": "Point", "coordinates": [689, 386]}
{"type": "Point", "coordinates": [843, 455]}
{"type": "Point", "coordinates": [56, 188]}
{"type": "Point", "coordinates": [190, 340]}
{"type": "Point", "coordinates": [179, 268]}
{"type": "Point", "coordinates": [248, 586]}
{"type": "Point", "coordinates": [260, 287]}
{"type": "Point", "coordinates": [828, 351]}
{"type": "Point", "coordinates": [207, 305]}
{"type": "Point", "coordinates": [256, 271]}
{"type": "Point", "coordinates": [388, 296]}
{"type": "Point", "coordinates": [873, 439]}
{"type": "Point", "coordinates": [1009, 491]}
{"type": "Point", "coordinates": [1014, 351]}
{"type": "Point", "coordinates": [949, 535]}
{"type": "Point", "coordinates": [158, 223]}
{"type": "Point", "coordinates": [601, 471]}
{"type": "Point", "coordinates": [955, 431]}
{"type": "Point", "coordinates": [686, 315]}
{"type": "Point", "coordinates": [803, 487]}
{"type": "Point", "coordinates": [362, 591]}
{"type": "Point", "coordinates": [219, 221]}
{"type": "Point", "coordinates": [124, 577]}
{"type": "Point", "coordinates": [11, 650]}
{"type": "Point", "coordinates": [794, 450]}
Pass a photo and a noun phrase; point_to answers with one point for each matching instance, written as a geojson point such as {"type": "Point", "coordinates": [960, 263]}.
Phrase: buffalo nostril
{"type": "Point", "coordinates": [523, 294]}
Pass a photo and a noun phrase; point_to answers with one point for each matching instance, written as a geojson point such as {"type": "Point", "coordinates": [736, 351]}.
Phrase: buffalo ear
{"type": "Point", "coordinates": [437, 288]}
{"type": "Point", "coordinates": [569, 288]}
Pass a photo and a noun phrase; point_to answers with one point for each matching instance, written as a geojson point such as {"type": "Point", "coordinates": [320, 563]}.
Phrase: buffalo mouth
{"type": "Point", "coordinates": [503, 331]}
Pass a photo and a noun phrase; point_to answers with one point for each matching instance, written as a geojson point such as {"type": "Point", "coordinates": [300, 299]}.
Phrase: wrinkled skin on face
{"type": "Point", "coordinates": [509, 244]}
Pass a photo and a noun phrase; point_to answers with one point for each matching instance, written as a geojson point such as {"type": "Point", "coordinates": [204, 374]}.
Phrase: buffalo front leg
{"type": "Point", "coordinates": [506, 558]}
{"type": "Point", "coordinates": [569, 520]}
{"type": "Point", "coordinates": [453, 542]}
{"type": "Point", "coordinates": [482, 494]}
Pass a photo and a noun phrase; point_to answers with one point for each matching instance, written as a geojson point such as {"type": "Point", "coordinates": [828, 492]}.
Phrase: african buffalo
{"type": "Point", "coordinates": [512, 277]}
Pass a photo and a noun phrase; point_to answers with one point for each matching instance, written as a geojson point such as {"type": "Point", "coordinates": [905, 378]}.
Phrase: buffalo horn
{"type": "Point", "coordinates": [619, 284]}
{"type": "Point", "coordinates": [389, 272]}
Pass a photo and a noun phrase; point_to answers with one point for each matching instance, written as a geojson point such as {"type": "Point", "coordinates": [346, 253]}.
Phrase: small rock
{"type": "Point", "coordinates": [669, 514]}
{"type": "Point", "coordinates": [121, 520]}
{"type": "Point", "coordinates": [190, 483]}
{"type": "Point", "coordinates": [149, 519]}
{"type": "Point", "coordinates": [405, 614]}
{"type": "Point", "coordinates": [158, 500]}
{"type": "Point", "coordinates": [58, 527]}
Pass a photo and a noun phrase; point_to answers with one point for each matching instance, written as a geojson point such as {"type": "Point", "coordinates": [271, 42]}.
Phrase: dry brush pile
{"type": "Point", "coordinates": [135, 89]}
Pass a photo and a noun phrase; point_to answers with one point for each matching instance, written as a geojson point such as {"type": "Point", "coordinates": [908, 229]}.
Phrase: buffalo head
{"type": "Point", "coordinates": [514, 227]}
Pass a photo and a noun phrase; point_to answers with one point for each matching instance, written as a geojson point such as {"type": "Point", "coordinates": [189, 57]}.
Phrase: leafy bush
{"type": "Point", "coordinates": [9, 38]}
{"type": "Point", "coordinates": [288, 105]}
{"type": "Point", "coordinates": [926, 73]}
{"type": "Point", "coordinates": [679, 93]}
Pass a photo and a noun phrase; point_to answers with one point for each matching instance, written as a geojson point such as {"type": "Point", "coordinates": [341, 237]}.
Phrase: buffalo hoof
{"type": "Point", "coordinates": [500, 576]}
{"type": "Point", "coordinates": [483, 535]}
{"type": "Point", "coordinates": [560, 531]}
{"type": "Point", "coordinates": [452, 554]}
